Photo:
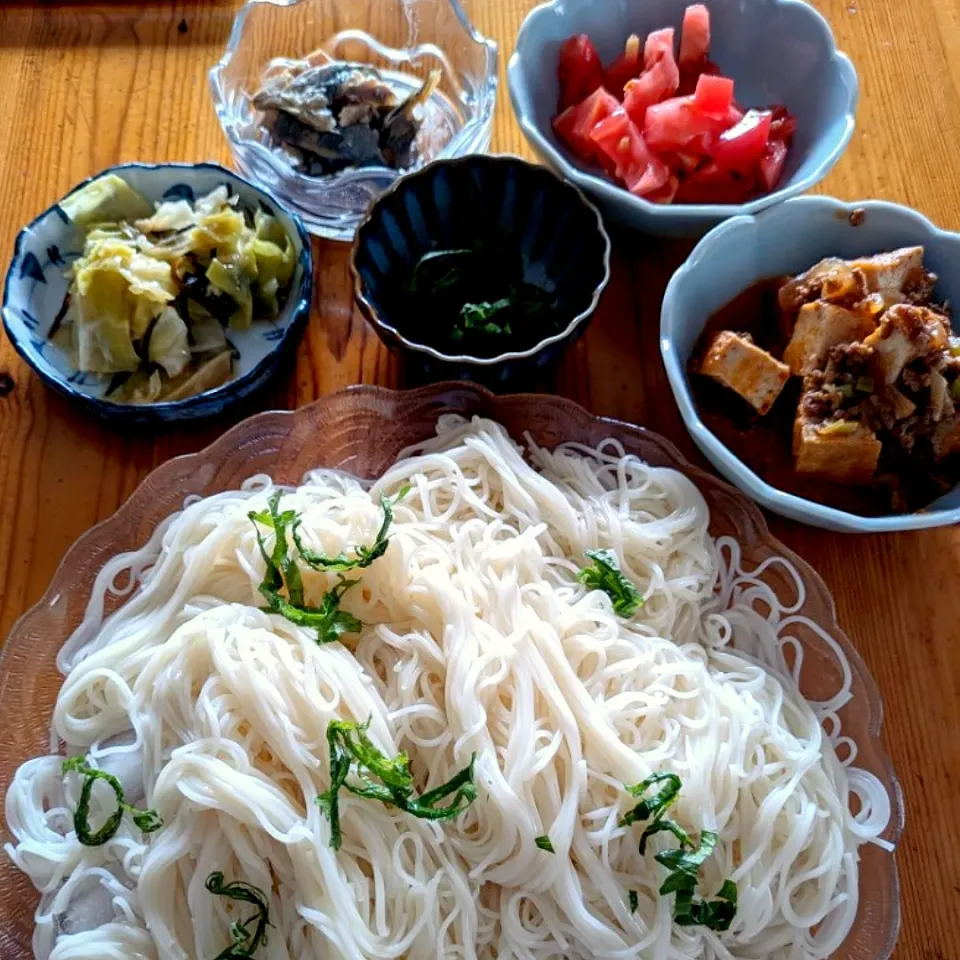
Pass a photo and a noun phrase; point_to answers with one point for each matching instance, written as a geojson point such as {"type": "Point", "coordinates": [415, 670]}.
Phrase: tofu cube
{"type": "Point", "coordinates": [846, 453]}
{"type": "Point", "coordinates": [903, 334]}
{"type": "Point", "coordinates": [819, 327]}
{"type": "Point", "coordinates": [746, 369]}
{"type": "Point", "coordinates": [888, 273]}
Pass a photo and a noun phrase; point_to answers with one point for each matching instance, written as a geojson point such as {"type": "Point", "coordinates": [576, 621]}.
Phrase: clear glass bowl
{"type": "Point", "coordinates": [336, 431]}
{"type": "Point", "coordinates": [404, 40]}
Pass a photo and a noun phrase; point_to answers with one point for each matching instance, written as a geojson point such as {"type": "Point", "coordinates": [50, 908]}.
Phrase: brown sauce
{"type": "Point", "coordinates": [764, 443]}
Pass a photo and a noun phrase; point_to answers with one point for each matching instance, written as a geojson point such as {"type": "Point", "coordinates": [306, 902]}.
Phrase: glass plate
{"type": "Point", "coordinates": [361, 430]}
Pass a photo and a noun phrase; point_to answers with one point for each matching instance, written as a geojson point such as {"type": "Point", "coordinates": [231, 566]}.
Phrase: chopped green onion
{"type": "Point", "coordinates": [147, 820]}
{"type": "Point", "coordinates": [846, 391]}
{"type": "Point", "coordinates": [864, 385]}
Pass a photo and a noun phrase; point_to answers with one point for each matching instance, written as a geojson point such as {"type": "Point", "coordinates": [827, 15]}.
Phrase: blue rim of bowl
{"type": "Point", "coordinates": [786, 504]}
{"type": "Point", "coordinates": [610, 192]}
{"type": "Point", "coordinates": [486, 96]}
{"type": "Point", "coordinates": [253, 377]}
{"type": "Point", "coordinates": [373, 315]}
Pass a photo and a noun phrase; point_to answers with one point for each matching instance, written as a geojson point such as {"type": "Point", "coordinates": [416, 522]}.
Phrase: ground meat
{"type": "Point", "coordinates": [918, 288]}
{"type": "Point", "coordinates": [916, 376]}
{"type": "Point", "coordinates": [846, 362]}
{"type": "Point", "coordinates": [877, 414]}
{"type": "Point", "coordinates": [818, 403]}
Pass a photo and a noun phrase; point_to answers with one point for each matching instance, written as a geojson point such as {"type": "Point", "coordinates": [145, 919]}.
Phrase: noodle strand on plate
{"type": "Point", "coordinates": [478, 640]}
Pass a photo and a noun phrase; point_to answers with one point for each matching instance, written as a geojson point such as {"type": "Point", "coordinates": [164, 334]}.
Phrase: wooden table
{"type": "Point", "coordinates": [88, 85]}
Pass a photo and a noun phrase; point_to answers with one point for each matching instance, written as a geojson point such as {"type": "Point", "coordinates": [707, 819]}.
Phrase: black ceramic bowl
{"type": "Point", "coordinates": [498, 202]}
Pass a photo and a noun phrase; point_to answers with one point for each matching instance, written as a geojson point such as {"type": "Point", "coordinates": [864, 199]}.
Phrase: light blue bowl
{"type": "Point", "coordinates": [36, 285]}
{"type": "Point", "coordinates": [777, 51]}
{"type": "Point", "coordinates": [784, 240]}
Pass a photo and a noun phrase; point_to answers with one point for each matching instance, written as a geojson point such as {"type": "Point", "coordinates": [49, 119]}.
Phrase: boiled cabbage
{"type": "Point", "coordinates": [104, 199]}
{"type": "Point", "coordinates": [170, 342]}
{"type": "Point", "coordinates": [153, 289]}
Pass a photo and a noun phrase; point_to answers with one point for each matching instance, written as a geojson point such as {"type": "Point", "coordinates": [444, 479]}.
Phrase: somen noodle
{"type": "Point", "coordinates": [478, 640]}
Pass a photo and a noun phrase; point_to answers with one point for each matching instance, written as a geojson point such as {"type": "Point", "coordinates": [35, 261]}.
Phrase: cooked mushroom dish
{"type": "Point", "coordinates": [855, 363]}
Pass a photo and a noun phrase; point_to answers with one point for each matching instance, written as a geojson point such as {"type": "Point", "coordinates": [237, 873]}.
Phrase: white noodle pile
{"type": "Point", "coordinates": [477, 640]}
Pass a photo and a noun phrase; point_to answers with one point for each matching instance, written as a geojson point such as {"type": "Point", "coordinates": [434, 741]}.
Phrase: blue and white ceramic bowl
{"type": "Point", "coordinates": [786, 240]}
{"type": "Point", "coordinates": [777, 51]}
{"type": "Point", "coordinates": [37, 283]}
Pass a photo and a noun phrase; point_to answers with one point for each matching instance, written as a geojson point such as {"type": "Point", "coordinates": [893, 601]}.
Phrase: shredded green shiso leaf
{"type": "Point", "coordinates": [351, 747]}
{"type": "Point", "coordinates": [147, 820]}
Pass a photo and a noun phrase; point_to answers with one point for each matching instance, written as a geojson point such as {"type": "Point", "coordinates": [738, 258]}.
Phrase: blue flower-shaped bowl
{"type": "Point", "coordinates": [777, 51]}
{"type": "Point", "coordinates": [786, 240]}
{"type": "Point", "coordinates": [37, 283]}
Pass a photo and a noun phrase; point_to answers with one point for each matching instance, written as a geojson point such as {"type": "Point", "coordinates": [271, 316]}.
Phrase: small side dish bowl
{"type": "Point", "coordinates": [37, 284]}
{"type": "Point", "coordinates": [776, 51]}
{"type": "Point", "coordinates": [493, 203]}
{"type": "Point", "coordinates": [787, 240]}
{"type": "Point", "coordinates": [403, 39]}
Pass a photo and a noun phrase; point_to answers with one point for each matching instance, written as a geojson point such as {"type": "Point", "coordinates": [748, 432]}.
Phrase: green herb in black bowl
{"type": "Point", "coordinates": [480, 267]}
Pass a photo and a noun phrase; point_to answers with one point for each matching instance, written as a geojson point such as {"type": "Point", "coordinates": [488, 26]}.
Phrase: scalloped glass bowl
{"type": "Point", "coordinates": [336, 432]}
{"type": "Point", "coordinates": [777, 51]}
{"type": "Point", "coordinates": [404, 39]}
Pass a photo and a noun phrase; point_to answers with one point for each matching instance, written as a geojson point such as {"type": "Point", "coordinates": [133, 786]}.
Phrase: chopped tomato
{"type": "Point", "coordinates": [563, 126]}
{"type": "Point", "coordinates": [771, 164]}
{"type": "Point", "coordinates": [666, 126]}
{"type": "Point", "coordinates": [659, 45]}
{"type": "Point", "coordinates": [734, 115]}
{"type": "Point", "coordinates": [694, 36]}
{"type": "Point", "coordinates": [641, 170]}
{"type": "Point", "coordinates": [667, 192]}
{"type": "Point", "coordinates": [678, 124]}
{"type": "Point", "coordinates": [714, 94]}
{"type": "Point", "coordinates": [580, 71]}
{"type": "Point", "coordinates": [711, 184]}
{"type": "Point", "coordinates": [741, 146]}
{"type": "Point", "coordinates": [784, 124]}
{"type": "Point", "coordinates": [573, 126]}
{"type": "Point", "coordinates": [658, 81]}
{"type": "Point", "coordinates": [691, 74]}
{"type": "Point", "coordinates": [687, 162]}
{"type": "Point", "coordinates": [627, 66]}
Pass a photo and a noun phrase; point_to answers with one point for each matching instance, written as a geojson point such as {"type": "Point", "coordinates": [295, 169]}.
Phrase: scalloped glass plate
{"type": "Point", "coordinates": [361, 430]}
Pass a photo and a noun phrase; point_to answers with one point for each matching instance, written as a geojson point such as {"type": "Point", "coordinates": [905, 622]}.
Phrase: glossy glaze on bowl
{"type": "Point", "coordinates": [37, 283]}
{"type": "Point", "coordinates": [454, 203]}
{"type": "Point", "coordinates": [785, 240]}
{"type": "Point", "coordinates": [777, 51]}
{"type": "Point", "coordinates": [361, 430]}
{"type": "Point", "coordinates": [404, 38]}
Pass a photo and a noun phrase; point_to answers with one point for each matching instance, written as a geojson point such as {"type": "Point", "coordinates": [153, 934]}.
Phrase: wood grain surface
{"type": "Point", "coordinates": [87, 85]}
